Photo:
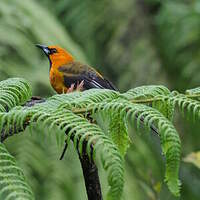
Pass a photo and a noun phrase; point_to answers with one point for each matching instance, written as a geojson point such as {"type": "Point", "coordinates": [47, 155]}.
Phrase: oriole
{"type": "Point", "coordinates": [67, 74]}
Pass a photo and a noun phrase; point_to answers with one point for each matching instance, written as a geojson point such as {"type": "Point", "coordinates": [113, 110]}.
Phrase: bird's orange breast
{"type": "Point", "coordinates": [57, 81]}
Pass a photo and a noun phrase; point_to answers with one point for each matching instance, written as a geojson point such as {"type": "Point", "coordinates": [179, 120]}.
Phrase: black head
{"type": "Point", "coordinates": [56, 54]}
{"type": "Point", "coordinates": [48, 51]}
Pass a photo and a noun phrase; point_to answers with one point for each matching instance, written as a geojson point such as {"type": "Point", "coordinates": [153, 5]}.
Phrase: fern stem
{"type": "Point", "coordinates": [150, 100]}
{"type": "Point", "coordinates": [139, 101]}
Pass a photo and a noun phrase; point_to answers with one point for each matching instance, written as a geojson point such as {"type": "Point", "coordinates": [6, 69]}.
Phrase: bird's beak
{"type": "Point", "coordinates": [44, 48]}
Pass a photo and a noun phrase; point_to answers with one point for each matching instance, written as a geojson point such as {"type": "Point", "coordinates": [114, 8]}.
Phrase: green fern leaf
{"type": "Point", "coordinates": [165, 106]}
{"type": "Point", "coordinates": [12, 181]}
{"type": "Point", "coordinates": [144, 92]}
{"type": "Point", "coordinates": [186, 105]}
{"type": "Point", "coordinates": [118, 132]}
{"type": "Point", "coordinates": [114, 125]}
{"type": "Point", "coordinates": [111, 159]}
{"type": "Point", "coordinates": [13, 92]}
{"type": "Point", "coordinates": [79, 128]}
{"type": "Point", "coordinates": [70, 114]}
{"type": "Point", "coordinates": [193, 91]}
{"type": "Point", "coordinates": [170, 141]}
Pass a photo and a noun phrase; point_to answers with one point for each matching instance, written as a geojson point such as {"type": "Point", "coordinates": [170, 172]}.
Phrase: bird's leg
{"type": "Point", "coordinates": [71, 88]}
{"type": "Point", "coordinates": [79, 86]}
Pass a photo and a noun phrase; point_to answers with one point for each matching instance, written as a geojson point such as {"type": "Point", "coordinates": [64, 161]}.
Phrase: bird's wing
{"type": "Point", "coordinates": [75, 72]}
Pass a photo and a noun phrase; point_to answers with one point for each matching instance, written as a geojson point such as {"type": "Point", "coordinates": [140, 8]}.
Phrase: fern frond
{"type": "Point", "coordinates": [111, 158]}
{"type": "Point", "coordinates": [164, 105]}
{"type": "Point", "coordinates": [81, 131]}
{"type": "Point", "coordinates": [193, 91]}
{"type": "Point", "coordinates": [170, 141]}
{"type": "Point", "coordinates": [115, 127]}
{"type": "Point", "coordinates": [88, 97]}
{"type": "Point", "coordinates": [118, 131]}
{"type": "Point", "coordinates": [144, 92]}
{"type": "Point", "coordinates": [12, 181]}
{"type": "Point", "coordinates": [186, 105]}
{"type": "Point", "coordinates": [13, 92]}
{"type": "Point", "coordinates": [71, 114]}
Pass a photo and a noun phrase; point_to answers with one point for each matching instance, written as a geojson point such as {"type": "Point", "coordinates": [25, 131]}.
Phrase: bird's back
{"type": "Point", "coordinates": [74, 72]}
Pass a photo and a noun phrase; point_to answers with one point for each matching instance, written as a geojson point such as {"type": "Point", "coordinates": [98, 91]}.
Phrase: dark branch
{"type": "Point", "coordinates": [90, 171]}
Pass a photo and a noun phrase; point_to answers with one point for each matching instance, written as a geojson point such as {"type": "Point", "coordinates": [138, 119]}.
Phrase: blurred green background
{"type": "Point", "coordinates": [133, 43]}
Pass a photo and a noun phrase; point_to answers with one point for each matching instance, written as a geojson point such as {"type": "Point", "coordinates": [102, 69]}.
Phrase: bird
{"type": "Point", "coordinates": [67, 74]}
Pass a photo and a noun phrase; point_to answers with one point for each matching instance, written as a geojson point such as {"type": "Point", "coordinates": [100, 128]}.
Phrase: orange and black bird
{"type": "Point", "coordinates": [67, 74]}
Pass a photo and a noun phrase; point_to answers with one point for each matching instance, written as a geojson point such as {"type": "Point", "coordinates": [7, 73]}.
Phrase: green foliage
{"type": "Point", "coordinates": [170, 141]}
{"type": "Point", "coordinates": [12, 181]}
{"type": "Point", "coordinates": [133, 43]}
{"type": "Point", "coordinates": [145, 92]}
{"type": "Point", "coordinates": [118, 131]}
{"type": "Point", "coordinates": [55, 111]}
{"type": "Point", "coordinates": [38, 155]}
{"type": "Point", "coordinates": [14, 92]}
{"type": "Point", "coordinates": [164, 105]}
{"type": "Point", "coordinates": [193, 91]}
{"type": "Point", "coordinates": [68, 112]}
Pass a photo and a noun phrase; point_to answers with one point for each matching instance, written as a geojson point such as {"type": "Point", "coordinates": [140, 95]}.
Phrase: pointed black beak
{"type": "Point", "coordinates": [44, 48]}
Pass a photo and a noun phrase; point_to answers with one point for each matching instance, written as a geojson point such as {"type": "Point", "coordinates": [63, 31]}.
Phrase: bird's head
{"type": "Point", "coordinates": [57, 56]}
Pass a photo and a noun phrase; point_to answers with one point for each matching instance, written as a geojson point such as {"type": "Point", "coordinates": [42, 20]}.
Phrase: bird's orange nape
{"type": "Point", "coordinates": [61, 56]}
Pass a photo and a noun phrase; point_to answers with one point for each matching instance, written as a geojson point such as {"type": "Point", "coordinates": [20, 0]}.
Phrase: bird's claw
{"type": "Point", "coordinates": [71, 89]}
{"type": "Point", "coordinates": [79, 87]}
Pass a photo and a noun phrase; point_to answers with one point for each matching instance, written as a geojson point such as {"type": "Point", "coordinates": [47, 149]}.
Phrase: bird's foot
{"type": "Point", "coordinates": [80, 86]}
{"type": "Point", "coordinates": [71, 89]}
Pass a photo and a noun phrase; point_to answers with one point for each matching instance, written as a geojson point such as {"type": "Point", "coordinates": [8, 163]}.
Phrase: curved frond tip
{"type": "Point", "coordinates": [12, 181]}
{"type": "Point", "coordinates": [13, 92]}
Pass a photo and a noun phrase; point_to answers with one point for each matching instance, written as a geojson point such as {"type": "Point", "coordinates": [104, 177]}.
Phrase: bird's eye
{"type": "Point", "coordinates": [52, 51]}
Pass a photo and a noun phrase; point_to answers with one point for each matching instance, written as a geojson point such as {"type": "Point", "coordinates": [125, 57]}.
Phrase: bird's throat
{"type": "Point", "coordinates": [50, 63]}
{"type": "Point", "coordinates": [56, 80]}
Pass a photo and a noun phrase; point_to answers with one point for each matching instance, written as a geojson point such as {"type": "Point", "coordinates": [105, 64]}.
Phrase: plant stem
{"type": "Point", "coordinates": [139, 101]}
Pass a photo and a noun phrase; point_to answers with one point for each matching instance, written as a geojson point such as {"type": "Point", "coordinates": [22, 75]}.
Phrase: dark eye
{"type": "Point", "coordinates": [53, 51]}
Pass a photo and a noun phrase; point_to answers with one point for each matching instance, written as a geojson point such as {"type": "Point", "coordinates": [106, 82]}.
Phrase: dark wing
{"type": "Point", "coordinates": [75, 72]}
{"type": "Point", "coordinates": [92, 80]}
